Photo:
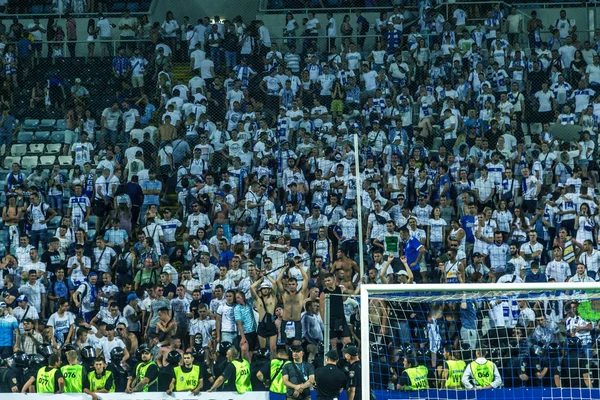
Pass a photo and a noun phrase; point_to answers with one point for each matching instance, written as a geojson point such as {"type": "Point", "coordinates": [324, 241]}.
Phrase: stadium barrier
{"type": "Point", "coordinates": [141, 396]}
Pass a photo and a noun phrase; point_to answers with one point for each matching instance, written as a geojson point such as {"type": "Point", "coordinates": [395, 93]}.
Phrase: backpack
{"type": "Point", "coordinates": [41, 206]}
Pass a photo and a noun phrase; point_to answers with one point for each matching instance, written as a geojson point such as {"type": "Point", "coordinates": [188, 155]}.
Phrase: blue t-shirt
{"type": "Point", "coordinates": [411, 251]}
{"type": "Point", "coordinates": [467, 223]}
{"type": "Point", "coordinates": [8, 324]}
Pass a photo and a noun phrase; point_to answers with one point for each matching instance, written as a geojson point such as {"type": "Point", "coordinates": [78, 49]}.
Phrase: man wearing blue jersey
{"type": "Point", "coordinates": [413, 250]}
{"type": "Point", "coordinates": [8, 325]}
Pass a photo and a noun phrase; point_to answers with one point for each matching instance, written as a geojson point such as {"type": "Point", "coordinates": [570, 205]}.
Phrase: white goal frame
{"type": "Point", "coordinates": [367, 289]}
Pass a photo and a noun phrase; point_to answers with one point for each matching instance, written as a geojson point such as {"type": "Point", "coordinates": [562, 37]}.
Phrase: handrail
{"type": "Point", "coordinates": [78, 15]}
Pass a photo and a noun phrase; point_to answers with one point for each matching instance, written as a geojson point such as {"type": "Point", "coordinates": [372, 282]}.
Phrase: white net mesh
{"type": "Point", "coordinates": [517, 342]}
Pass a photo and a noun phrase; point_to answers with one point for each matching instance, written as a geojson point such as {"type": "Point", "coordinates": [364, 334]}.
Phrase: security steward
{"type": "Point", "coordinates": [330, 379]}
{"type": "Point", "coordinates": [187, 377]}
{"type": "Point", "coordinates": [414, 376]}
{"type": "Point", "coordinates": [100, 380]}
{"type": "Point", "coordinates": [235, 376]}
{"type": "Point", "coordinates": [48, 379]}
{"type": "Point", "coordinates": [73, 373]}
{"type": "Point", "coordinates": [298, 376]}
{"type": "Point", "coordinates": [354, 372]}
{"type": "Point", "coordinates": [271, 373]}
{"type": "Point", "coordinates": [146, 375]}
{"type": "Point", "coordinates": [453, 370]}
{"type": "Point", "coordinates": [481, 373]}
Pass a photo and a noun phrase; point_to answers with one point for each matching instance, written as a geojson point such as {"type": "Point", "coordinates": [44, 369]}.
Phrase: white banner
{"type": "Point", "coordinates": [142, 396]}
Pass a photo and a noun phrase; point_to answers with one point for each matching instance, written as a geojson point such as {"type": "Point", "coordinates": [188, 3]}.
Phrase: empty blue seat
{"type": "Point", "coordinates": [57, 137]}
{"type": "Point", "coordinates": [42, 136]}
{"type": "Point", "coordinates": [25, 137]}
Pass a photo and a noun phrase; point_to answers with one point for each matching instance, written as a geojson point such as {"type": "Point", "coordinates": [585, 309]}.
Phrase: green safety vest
{"type": "Point", "coordinates": [456, 368]}
{"type": "Point", "coordinates": [140, 372]}
{"type": "Point", "coordinates": [100, 383]}
{"type": "Point", "coordinates": [44, 382]}
{"type": "Point", "coordinates": [73, 377]}
{"type": "Point", "coordinates": [185, 381]}
{"type": "Point", "coordinates": [276, 377]}
{"type": "Point", "coordinates": [418, 377]}
{"type": "Point", "coordinates": [483, 373]}
{"type": "Point", "coordinates": [242, 376]}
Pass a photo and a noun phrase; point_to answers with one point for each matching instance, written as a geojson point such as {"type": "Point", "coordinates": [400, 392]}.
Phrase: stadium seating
{"type": "Point", "coordinates": [57, 137]}
{"type": "Point", "coordinates": [42, 136]}
{"type": "Point", "coordinates": [47, 160]}
{"type": "Point", "coordinates": [8, 161]}
{"type": "Point", "coordinates": [65, 161]}
{"type": "Point", "coordinates": [18, 150]}
{"type": "Point", "coordinates": [53, 148]}
{"type": "Point", "coordinates": [36, 148]}
{"type": "Point", "coordinates": [25, 137]}
{"type": "Point", "coordinates": [29, 162]}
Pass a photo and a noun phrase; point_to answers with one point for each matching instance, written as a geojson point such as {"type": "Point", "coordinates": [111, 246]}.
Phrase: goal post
{"type": "Point", "coordinates": [542, 338]}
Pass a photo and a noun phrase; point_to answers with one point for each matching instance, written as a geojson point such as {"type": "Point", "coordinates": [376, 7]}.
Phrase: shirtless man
{"type": "Point", "coordinates": [174, 344]}
{"type": "Point", "coordinates": [11, 215]}
{"type": "Point", "coordinates": [293, 304]}
{"type": "Point", "coordinates": [264, 303]}
{"type": "Point", "coordinates": [346, 264]}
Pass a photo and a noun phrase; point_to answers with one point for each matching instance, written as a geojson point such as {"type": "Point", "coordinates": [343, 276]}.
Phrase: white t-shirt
{"type": "Point", "coordinates": [104, 27]}
{"type": "Point", "coordinates": [107, 346]}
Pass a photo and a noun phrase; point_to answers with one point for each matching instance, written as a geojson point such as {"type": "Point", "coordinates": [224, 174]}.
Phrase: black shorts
{"type": "Point", "coordinates": [266, 328]}
{"type": "Point", "coordinates": [339, 328]}
{"type": "Point", "coordinates": [252, 339]}
{"type": "Point", "coordinates": [101, 209]}
{"type": "Point", "coordinates": [297, 334]}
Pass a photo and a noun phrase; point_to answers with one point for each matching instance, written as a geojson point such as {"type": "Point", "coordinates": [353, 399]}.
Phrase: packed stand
{"type": "Point", "coordinates": [203, 222]}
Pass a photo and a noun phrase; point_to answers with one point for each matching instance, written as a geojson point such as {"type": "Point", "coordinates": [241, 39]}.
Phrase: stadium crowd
{"type": "Point", "coordinates": [202, 223]}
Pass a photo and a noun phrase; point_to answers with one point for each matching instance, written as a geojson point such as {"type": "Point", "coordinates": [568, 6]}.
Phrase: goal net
{"type": "Point", "coordinates": [481, 341]}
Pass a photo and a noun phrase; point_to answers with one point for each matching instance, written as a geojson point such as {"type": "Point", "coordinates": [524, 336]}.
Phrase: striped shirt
{"type": "Point", "coordinates": [497, 255]}
{"type": "Point", "coordinates": [558, 270]}
{"type": "Point", "coordinates": [246, 316]}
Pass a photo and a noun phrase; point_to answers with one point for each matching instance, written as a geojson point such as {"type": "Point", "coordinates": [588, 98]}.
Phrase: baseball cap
{"type": "Point", "coordinates": [351, 350]}
{"type": "Point", "coordinates": [266, 285]}
{"type": "Point", "coordinates": [22, 298]}
{"type": "Point", "coordinates": [477, 254]}
{"type": "Point", "coordinates": [402, 272]}
{"type": "Point", "coordinates": [3, 305]}
{"type": "Point", "coordinates": [131, 297]}
{"type": "Point", "coordinates": [332, 355]}
{"type": "Point", "coordinates": [297, 348]}
{"type": "Point", "coordinates": [77, 80]}
{"type": "Point", "coordinates": [272, 221]}
{"type": "Point", "coordinates": [110, 327]}
{"type": "Point", "coordinates": [220, 193]}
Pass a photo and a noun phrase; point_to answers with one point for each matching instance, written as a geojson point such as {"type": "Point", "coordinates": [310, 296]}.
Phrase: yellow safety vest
{"type": "Point", "coordinates": [456, 368]}
{"type": "Point", "coordinates": [140, 372]}
{"type": "Point", "coordinates": [100, 383]}
{"type": "Point", "coordinates": [185, 381]}
{"type": "Point", "coordinates": [276, 377]}
{"type": "Point", "coordinates": [242, 376]}
{"type": "Point", "coordinates": [483, 373]}
{"type": "Point", "coordinates": [44, 382]}
{"type": "Point", "coordinates": [73, 377]}
{"type": "Point", "coordinates": [418, 377]}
